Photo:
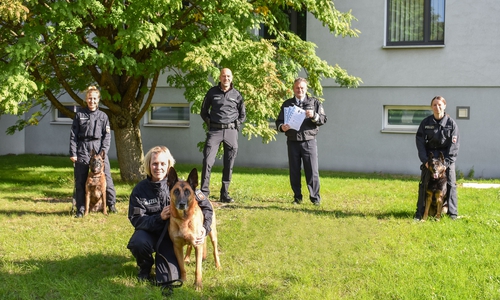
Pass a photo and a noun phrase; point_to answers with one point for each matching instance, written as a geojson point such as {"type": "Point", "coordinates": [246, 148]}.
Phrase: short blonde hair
{"type": "Point", "coordinates": [146, 164]}
{"type": "Point", "coordinates": [91, 89]}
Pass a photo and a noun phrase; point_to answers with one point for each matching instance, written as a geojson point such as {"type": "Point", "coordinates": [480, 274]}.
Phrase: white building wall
{"type": "Point", "coordinates": [466, 71]}
{"type": "Point", "coordinates": [10, 144]}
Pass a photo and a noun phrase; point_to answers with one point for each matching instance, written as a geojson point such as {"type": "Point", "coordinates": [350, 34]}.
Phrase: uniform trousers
{"type": "Point", "coordinates": [215, 136]}
{"type": "Point", "coordinates": [143, 244]}
{"type": "Point", "coordinates": [306, 153]}
{"type": "Point", "coordinates": [451, 199]}
{"type": "Point", "coordinates": [81, 175]}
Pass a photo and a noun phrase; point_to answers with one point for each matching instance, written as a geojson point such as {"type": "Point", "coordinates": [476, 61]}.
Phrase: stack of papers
{"type": "Point", "coordinates": [294, 116]}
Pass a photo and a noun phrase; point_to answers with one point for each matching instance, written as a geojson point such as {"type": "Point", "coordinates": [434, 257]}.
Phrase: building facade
{"type": "Point", "coordinates": [371, 128]}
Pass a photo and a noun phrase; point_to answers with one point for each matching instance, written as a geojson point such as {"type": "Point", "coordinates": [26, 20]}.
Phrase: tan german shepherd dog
{"type": "Point", "coordinates": [95, 188]}
{"type": "Point", "coordinates": [186, 222]}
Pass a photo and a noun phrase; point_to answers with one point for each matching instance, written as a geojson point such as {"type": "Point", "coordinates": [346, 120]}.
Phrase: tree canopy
{"type": "Point", "coordinates": [53, 47]}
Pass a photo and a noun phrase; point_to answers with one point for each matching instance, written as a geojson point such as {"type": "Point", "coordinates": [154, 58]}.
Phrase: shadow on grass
{"type": "Point", "coordinates": [18, 212]}
{"type": "Point", "coordinates": [323, 173]}
{"type": "Point", "coordinates": [396, 214]}
{"type": "Point", "coordinates": [91, 276]}
{"type": "Point", "coordinates": [97, 276]}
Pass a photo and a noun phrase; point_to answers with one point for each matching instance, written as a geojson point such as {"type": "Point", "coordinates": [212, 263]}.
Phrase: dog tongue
{"type": "Point", "coordinates": [436, 175]}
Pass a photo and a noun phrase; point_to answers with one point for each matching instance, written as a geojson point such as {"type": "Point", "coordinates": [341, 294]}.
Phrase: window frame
{"type": "Point", "coordinates": [56, 119]}
{"type": "Point", "coordinates": [426, 28]}
{"type": "Point", "coordinates": [401, 128]}
{"type": "Point", "coordinates": [150, 122]}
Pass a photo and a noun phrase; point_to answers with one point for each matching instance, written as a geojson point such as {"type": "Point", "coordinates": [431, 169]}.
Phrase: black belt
{"type": "Point", "coordinates": [222, 126]}
{"type": "Point", "coordinates": [87, 139]}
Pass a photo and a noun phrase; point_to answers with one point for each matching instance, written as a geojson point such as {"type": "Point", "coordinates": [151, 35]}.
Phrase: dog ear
{"type": "Point", "coordinates": [441, 156]}
{"type": "Point", "coordinates": [193, 178]}
{"type": "Point", "coordinates": [103, 154]}
{"type": "Point", "coordinates": [92, 152]}
{"type": "Point", "coordinates": [431, 155]}
{"type": "Point", "coordinates": [172, 177]}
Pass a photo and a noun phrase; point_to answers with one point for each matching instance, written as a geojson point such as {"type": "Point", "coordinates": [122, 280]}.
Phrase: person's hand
{"type": "Point", "coordinates": [73, 158]}
{"type": "Point", "coordinates": [310, 113]}
{"type": "Point", "coordinates": [201, 238]}
{"type": "Point", "coordinates": [285, 127]}
{"type": "Point", "coordinates": [165, 213]}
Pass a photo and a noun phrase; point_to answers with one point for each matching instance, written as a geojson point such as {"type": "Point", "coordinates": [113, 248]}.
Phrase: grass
{"type": "Point", "coordinates": [361, 243]}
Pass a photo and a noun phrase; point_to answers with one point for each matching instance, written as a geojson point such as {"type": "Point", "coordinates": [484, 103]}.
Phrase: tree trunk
{"type": "Point", "coordinates": [129, 152]}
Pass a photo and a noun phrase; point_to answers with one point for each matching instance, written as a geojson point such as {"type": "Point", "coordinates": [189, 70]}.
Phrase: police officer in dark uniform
{"type": "Point", "coordinates": [149, 213]}
{"type": "Point", "coordinates": [438, 133]}
{"type": "Point", "coordinates": [223, 110]}
{"type": "Point", "coordinates": [90, 131]}
{"type": "Point", "coordinates": [302, 146]}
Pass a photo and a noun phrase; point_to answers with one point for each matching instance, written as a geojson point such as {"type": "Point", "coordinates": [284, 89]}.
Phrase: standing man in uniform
{"type": "Point", "coordinates": [223, 111]}
{"type": "Point", "coordinates": [90, 130]}
{"type": "Point", "coordinates": [301, 144]}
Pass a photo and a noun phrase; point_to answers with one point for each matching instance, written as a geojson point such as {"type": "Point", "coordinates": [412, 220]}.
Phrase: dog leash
{"type": "Point", "coordinates": [168, 286]}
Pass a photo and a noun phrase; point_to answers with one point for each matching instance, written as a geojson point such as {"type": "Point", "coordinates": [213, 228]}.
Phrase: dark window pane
{"type": "Point", "coordinates": [437, 20]}
{"type": "Point", "coordinates": [407, 116]}
{"type": "Point", "coordinates": [169, 113]}
{"type": "Point", "coordinates": [297, 24]}
{"type": "Point", "coordinates": [60, 114]}
{"type": "Point", "coordinates": [415, 22]}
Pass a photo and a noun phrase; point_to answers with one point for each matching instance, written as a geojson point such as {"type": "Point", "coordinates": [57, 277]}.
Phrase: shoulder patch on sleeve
{"type": "Point", "coordinates": [200, 196]}
{"type": "Point", "coordinates": [108, 129]}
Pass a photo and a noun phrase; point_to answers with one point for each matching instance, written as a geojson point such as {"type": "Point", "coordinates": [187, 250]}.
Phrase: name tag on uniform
{"type": "Point", "coordinates": [217, 97]}
{"type": "Point", "coordinates": [429, 126]}
{"type": "Point", "coordinates": [150, 201]}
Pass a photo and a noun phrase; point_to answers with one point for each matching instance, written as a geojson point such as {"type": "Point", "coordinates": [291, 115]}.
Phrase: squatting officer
{"type": "Point", "coordinates": [438, 133]}
{"type": "Point", "coordinates": [90, 130]}
{"type": "Point", "coordinates": [223, 110]}
{"type": "Point", "coordinates": [149, 213]}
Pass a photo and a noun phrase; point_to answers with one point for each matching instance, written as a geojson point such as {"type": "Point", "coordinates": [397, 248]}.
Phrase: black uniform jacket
{"type": "Point", "coordinates": [223, 107]}
{"type": "Point", "coordinates": [90, 130]}
{"type": "Point", "coordinates": [309, 128]}
{"type": "Point", "coordinates": [148, 199]}
{"type": "Point", "coordinates": [438, 136]}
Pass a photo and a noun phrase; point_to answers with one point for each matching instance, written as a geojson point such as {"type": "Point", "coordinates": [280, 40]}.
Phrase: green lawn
{"type": "Point", "coordinates": [361, 243]}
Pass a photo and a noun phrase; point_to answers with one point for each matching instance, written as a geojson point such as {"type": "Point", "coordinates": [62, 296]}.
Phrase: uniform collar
{"type": "Point", "coordinates": [298, 101]}
{"type": "Point", "coordinates": [230, 87]}
{"type": "Point", "coordinates": [158, 185]}
{"type": "Point", "coordinates": [87, 110]}
{"type": "Point", "coordinates": [442, 121]}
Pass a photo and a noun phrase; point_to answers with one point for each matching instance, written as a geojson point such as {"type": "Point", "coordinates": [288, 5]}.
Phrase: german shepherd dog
{"type": "Point", "coordinates": [95, 188]}
{"type": "Point", "coordinates": [435, 187]}
{"type": "Point", "coordinates": [186, 222]}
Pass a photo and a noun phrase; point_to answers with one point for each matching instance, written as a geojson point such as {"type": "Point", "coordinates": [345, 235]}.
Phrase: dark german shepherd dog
{"type": "Point", "coordinates": [435, 187]}
{"type": "Point", "coordinates": [95, 188]}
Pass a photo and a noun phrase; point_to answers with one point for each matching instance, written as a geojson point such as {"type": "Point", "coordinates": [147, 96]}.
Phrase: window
{"type": "Point", "coordinates": [168, 115]}
{"type": "Point", "coordinates": [59, 117]}
{"type": "Point", "coordinates": [298, 21]}
{"type": "Point", "coordinates": [415, 22]}
{"type": "Point", "coordinates": [404, 118]}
